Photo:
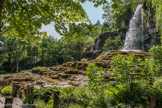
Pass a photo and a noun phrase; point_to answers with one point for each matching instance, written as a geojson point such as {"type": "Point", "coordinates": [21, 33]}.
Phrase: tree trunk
{"type": "Point", "coordinates": [17, 63]}
{"type": "Point", "coordinates": [9, 62]}
{"type": "Point", "coordinates": [1, 5]}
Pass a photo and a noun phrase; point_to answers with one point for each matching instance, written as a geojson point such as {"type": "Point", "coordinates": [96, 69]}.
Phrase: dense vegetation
{"type": "Point", "coordinates": [133, 83]}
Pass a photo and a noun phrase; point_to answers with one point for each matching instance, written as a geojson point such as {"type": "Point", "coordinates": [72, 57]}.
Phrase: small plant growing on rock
{"type": "Point", "coordinates": [7, 91]}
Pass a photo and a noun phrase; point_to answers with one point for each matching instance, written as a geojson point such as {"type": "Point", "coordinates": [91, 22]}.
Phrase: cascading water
{"type": "Point", "coordinates": [134, 36]}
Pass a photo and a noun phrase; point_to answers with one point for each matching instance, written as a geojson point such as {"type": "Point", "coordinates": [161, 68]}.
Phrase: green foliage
{"type": "Point", "coordinates": [41, 104]}
{"type": "Point", "coordinates": [117, 13]}
{"type": "Point", "coordinates": [156, 52]}
{"type": "Point", "coordinates": [20, 19]}
{"type": "Point", "coordinates": [113, 44]}
{"type": "Point", "coordinates": [133, 95]}
{"type": "Point", "coordinates": [19, 55]}
{"type": "Point", "coordinates": [157, 6]}
{"type": "Point", "coordinates": [2, 72]}
{"type": "Point", "coordinates": [133, 86]}
{"type": "Point", "coordinates": [1, 88]}
{"type": "Point", "coordinates": [95, 76]}
{"type": "Point", "coordinates": [75, 106]}
{"type": "Point", "coordinates": [130, 69]}
{"type": "Point", "coordinates": [46, 95]}
{"type": "Point", "coordinates": [7, 91]}
{"type": "Point", "coordinates": [158, 93]}
{"type": "Point", "coordinates": [43, 94]}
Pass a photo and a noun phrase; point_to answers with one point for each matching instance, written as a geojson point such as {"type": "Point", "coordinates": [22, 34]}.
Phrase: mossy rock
{"type": "Point", "coordinates": [71, 71]}
{"type": "Point", "coordinates": [64, 76]}
{"type": "Point", "coordinates": [39, 71]}
{"type": "Point", "coordinates": [70, 64]}
{"type": "Point", "coordinates": [21, 79]}
{"type": "Point", "coordinates": [136, 54]}
{"type": "Point", "coordinates": [82, 65]}
{"type": "Point", "coordinates": [54, 77]}
{"type": "Point", "coordinates": [55, 72]}
{"type": "Point", "coordinates": [58, 68]}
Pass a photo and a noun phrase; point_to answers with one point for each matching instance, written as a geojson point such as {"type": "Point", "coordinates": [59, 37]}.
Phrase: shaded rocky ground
{"type": "Point", "coordinates": [67, 74]}
{"type": "Point", "coordinates": [17, 103]}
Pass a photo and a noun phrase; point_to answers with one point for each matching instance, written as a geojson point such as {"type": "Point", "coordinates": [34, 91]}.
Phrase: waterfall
{"type": "Point", "coordinates": [134, 36]}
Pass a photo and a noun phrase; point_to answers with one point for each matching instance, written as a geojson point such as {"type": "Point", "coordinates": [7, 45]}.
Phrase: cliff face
{"type": "Point", "coordinates": [151, 34]}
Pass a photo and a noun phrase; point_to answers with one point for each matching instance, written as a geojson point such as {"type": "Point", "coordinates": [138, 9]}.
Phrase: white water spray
{"type": "Point", "coordinates": [134, 37]}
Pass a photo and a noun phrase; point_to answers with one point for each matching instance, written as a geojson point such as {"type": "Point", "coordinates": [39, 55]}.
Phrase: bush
{"type": "Point", "coordinates": [7, 91]}
{"type": "Point", "coordinates": [1, 88]}
{"type": "Point", "coordinates": [75, 106]}
{"type": "Point", "coordinates": [3, 72]}
{"type": "Point", "coordinates": [41, 104]}
{"type": "Point", "coordinates": [96, 77]}
{"type": "Point", "coordinates": [44, 94]}
{"type": "Point", "coordinates": [129, 69]}
{"type": "Point", "coordinates": [113, 44]}
{"type": "Point", "coordinates": [156, 52]}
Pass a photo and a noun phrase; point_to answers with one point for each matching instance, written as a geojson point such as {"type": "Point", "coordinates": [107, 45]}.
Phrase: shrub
{"type": "Point", "coordinates": [41, 104]}
{"type": "Point", "coordinates": [113, 44]}
{"type": "Point", "coordinates": [129, 69]}
{"type": "Point", "coordinates": [3, 72]}
{"type": "Point", "coordinates": [1, 88]}
{"type": "Point", "coordinates": [156, 52]}
{"type": "Point", "coordinates": [96, 77]}
{"type": "Point", "coordinates": [42, 94]}
{"type": "Point", "coordinates": [7, 91]}
{"type": "Point", "coordinates": [75, 106]}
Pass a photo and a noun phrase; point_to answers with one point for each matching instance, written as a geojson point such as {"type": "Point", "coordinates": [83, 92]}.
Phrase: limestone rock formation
{"type": "Point", "coordinates": [68, 74]}
{"type": "Point", "coordinates": [98, 45]}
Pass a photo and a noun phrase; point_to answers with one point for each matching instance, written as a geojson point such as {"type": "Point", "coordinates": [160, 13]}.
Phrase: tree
{"type": "Point", "coordinates": [21, 17]}
{"type": "Point", "coordinates": [117, 13]}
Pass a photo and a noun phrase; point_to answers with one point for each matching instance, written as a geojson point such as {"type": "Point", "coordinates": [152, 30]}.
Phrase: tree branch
{"type": "Point", "coordinates": [1, 5]}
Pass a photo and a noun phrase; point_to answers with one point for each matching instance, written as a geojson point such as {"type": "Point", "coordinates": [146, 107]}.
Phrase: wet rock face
{"type": "Point", "coordinates": [142, 33]}
{"type": "Point", "coordinates": [151, 36]}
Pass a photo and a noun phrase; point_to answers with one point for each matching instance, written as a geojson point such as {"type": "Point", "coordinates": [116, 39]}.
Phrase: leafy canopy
{"type": "Point", "coordinates": [20, 18]}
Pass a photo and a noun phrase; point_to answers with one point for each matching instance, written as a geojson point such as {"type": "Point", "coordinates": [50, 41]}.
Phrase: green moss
{"type": "Point", "coordinates": [70, 64]}
{"type": "Point", "coordinates": [71, 71]}
{"type": "Point", "coordinates": [39, 67]}
{"type": "Point", "coordinates": [55, 77]}
{"type": "Point", "coordinates": [82, 65]}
